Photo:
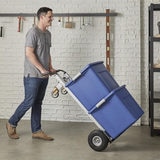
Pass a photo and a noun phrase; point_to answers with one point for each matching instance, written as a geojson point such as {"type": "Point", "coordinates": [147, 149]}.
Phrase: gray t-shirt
{"type": "Point", "coordinates": [41, 42]}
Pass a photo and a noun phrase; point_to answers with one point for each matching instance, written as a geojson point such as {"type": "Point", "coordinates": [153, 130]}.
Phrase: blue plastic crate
{"type": "Point", "coordinates": [117, 113]}
{"type": "Point", "coordinates": [93, 84]}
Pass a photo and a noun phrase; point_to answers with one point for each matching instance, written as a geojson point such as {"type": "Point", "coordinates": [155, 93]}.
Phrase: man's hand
{"type": "Point", "coordinates": [45, 73]}
{"type": "Point", "coordinates": [52, 71]}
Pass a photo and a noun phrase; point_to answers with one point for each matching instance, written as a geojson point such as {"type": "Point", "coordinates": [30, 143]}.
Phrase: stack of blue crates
{"type": "Point", "coordinates": [118, 110]}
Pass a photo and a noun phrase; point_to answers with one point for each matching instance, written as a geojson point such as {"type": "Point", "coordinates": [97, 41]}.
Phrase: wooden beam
{"type": "Point", "coordinates": [108, 41]}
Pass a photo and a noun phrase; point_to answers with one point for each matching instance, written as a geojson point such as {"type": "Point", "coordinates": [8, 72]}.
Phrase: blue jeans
{"type": "Point", "coordinates": [34, 93]}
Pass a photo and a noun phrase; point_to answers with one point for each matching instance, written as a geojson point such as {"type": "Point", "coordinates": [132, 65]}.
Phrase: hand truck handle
{"type": "Point", "coordinates": [52, 73]}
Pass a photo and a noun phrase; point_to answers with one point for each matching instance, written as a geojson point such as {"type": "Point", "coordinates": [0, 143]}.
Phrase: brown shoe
{"type": "Point", "coordinates": [42, 135]}
{"type": "Point", "coordinates": [11, 131]}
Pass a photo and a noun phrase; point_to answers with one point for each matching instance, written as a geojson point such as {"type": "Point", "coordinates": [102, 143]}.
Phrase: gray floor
{"type": "Point", "coordinates": [71, 143]}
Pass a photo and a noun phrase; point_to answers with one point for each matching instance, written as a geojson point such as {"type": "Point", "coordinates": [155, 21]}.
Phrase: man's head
{"type": "Point", "coordinates": [43, 11]}
{"type": "Point", "coordinates": [45, 15]}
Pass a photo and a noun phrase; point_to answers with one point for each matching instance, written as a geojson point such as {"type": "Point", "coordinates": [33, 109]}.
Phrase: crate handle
{"type": "Point", "coordinates": [76, 76]}
{"type": "Point", "coordinates": [99, 104]}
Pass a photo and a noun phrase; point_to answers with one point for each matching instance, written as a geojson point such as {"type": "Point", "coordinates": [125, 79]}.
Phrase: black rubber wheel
{"type": "Point", "coordinates": [97, 140]}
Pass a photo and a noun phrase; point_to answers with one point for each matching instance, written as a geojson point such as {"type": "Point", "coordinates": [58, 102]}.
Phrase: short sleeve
{"type": "Point", "coordinates": [31, 39]}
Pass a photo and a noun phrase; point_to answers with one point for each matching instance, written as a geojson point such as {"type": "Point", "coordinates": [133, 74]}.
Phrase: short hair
{"type": "Point", "coordinates": [42, 10]}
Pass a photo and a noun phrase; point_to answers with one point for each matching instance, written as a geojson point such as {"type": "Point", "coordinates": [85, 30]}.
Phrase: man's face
{"type": "Point", "coordinates": [47, 18]}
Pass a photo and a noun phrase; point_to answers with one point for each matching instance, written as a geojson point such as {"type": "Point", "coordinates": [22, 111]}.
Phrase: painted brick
{"type": "Point", "coordinates": [71, 50]}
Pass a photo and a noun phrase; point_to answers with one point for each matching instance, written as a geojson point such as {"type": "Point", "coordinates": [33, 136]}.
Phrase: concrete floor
{"type": "Point", "coordinates": [71, 143]}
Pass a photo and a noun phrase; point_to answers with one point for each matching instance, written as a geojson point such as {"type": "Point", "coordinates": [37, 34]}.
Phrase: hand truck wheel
{"type": "Point", "coordinates": [63, 91]}
{"type": "Point", "coordinates": [97, 140]}
{"type": "Point", "coordinates": [55, 93]}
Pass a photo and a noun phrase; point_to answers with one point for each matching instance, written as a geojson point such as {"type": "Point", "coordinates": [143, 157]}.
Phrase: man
{"type": "Point", "coordinates": [37, 64]}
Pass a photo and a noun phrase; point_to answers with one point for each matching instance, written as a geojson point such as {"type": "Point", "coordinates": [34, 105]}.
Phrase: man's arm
{"type": "Point", "coordinates": [51, 69]}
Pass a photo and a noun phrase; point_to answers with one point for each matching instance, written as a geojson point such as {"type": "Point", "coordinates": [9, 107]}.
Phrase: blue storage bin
{"type": "Point", "coordinates": [93, 83]}
{"type": "Point", "coordinates": [118, 112]}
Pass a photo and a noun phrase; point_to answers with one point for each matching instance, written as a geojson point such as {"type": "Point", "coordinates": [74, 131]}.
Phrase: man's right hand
{"type": "Point", "coordinates": [45, 73]}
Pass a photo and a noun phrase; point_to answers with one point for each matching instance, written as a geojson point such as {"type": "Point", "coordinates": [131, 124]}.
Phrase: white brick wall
{"type": "Point", "coordinates": [71, 50]}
